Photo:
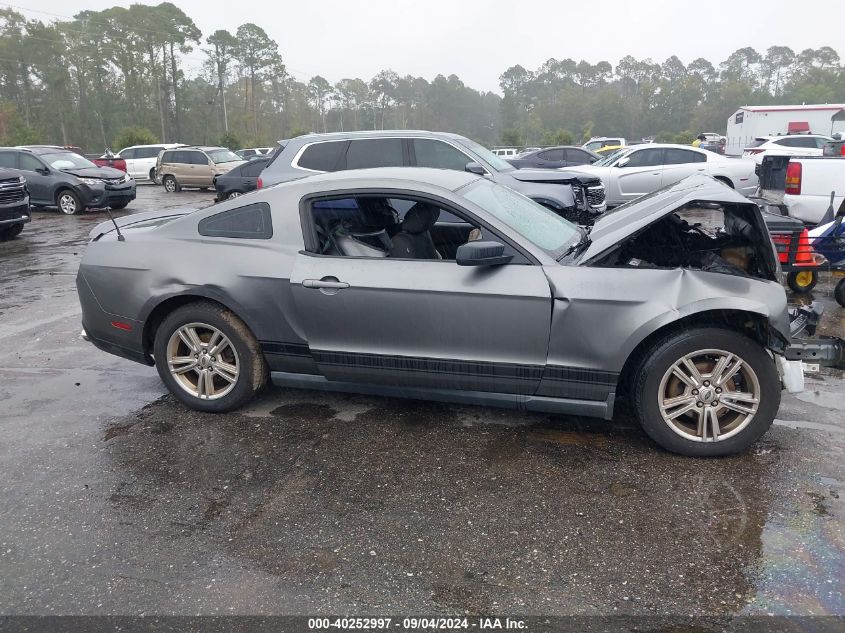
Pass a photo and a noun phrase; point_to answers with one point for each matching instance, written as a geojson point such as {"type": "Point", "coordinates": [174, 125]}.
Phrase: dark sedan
{"type": "Point", "coordinates": [554, 157]}
{"type": "Point", "coordinates": [240, 180]}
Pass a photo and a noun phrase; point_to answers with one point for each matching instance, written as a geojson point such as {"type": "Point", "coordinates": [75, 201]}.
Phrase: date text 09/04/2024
{"type": "Point", "coordinates": [410, 624]}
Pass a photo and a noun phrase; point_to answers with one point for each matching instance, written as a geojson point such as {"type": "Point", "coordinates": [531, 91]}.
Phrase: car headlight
{"type": "Point", "coordinates": [22, 180]}
{"type": "Point", "coordinates": [91, 181]}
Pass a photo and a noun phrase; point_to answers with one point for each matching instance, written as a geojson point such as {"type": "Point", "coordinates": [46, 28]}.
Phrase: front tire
{"type": "Point", "coordinates": [119, 206]}
{"type": "Point", "coordinates": [208, 358]}
{"type": "Point", "coordinates": [171, 185]}
{"type": "Point", "coordinates": [802, 281]}
{"type": "Point", "coordinates": [11, 232]}
{"type": "Point", "coordinates": [706, 392]}
{"type": "Point", "coordinates": [68, 202]}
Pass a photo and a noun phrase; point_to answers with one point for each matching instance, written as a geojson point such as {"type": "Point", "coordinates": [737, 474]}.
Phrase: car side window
{"type": "Point", "coordinates": [577, 156]}
{"type": "Point", "coordinates": [674, 156]}
{"type": "Point", "coordinates": [555, 155]}
{"type": "Point", "coordinates": [147, 152]}
{"type": "Point", "coordinates": [439, 155]}
{"type": "Point", "coordinates": [8, 159]}
{"type": "Point", "coordinates": [645, 158]}
{"type": "Point", "coordinates": [390, 227]}
{"type": "Point", "coordinates": [129, 154]}
{"type": "Point", "coordinates": [821, 142]}
{"type": "Point", "coordinates": [30, 163]}
{"type": "Point", "coordinates": [253, 169]}
{"type": "Point", "coordinates": [323, 156]}
{"type": "Point", "coordinates": [177, 157]}
{"type": "Point", "coordinates": [198, 158]}
{"type": "Point", "coordinates": [374, 152]}
{"type": "Point", "coordinates": [251, 222]}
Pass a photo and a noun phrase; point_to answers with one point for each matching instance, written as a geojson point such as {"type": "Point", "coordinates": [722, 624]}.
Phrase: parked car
{"type": "Point", "coordinates": [505, 152]}
{"type": "Point", "coordinates": [670, 298]}
{"type": "Point", "coordinates": [108, 159]}
{"type": "Point", "coordinates": [808, 186]}
{"type": "Point", "coordinates": [14, 203]}
{"type": "Point", "coordinates": [791, 145]}
{"type": "Point", "coordinates": [194, 166]}
{"type": "Point", "coordinates": [642, 169]}
{"type": "Point", "coordinates": [576, 196]}
{"type": "Point", "coordinates": [240, 180]}
{"type": "Point", "coordinates": [61, 178]}
{"type": "Point", "coordinates": [141, 159]}
{"type": "Point", "coordinates": [598, 142]}
{"type": "Point", "coordinates": [252, 152]}
{"type": "Point", "coordinates": [554, 158]}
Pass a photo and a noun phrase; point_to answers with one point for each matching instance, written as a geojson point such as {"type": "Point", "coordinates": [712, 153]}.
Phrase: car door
{"type": "Point", "coordinates": [145, 161]}
{"type": "Point", "coordinates": [641, 173]}
{"type": "Point", "coordinates": [39, 179]}
{"type": "Point", "coordinates": [679, 163]}
{"type": "Point", "coordinates": [424, 323]}
{"type": "Point", "coordinates": [129, 155]}
{"type": "Point", "coordinates": [204, 169]}
{"type": "Point", "coordinates": [187, 167]}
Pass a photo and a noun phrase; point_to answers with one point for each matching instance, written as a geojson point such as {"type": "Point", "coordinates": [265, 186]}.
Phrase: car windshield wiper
{"type": "Point", "coordinates": [583, 242]}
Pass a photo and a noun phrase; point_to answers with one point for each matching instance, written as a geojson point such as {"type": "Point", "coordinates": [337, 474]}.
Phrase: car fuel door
{"type": "Point", "coordinates": [424, 323]}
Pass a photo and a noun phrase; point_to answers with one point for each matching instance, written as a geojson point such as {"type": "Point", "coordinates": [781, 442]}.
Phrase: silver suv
{"type": "Point", "coordinates": [576, 196]}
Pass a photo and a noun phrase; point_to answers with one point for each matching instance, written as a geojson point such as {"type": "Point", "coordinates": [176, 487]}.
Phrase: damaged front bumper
{"type": "Point", "coordinates": [825, 351]}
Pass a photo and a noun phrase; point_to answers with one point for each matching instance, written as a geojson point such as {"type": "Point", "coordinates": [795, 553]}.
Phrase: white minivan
{"type": "Point", "coordinates": [141, 159]}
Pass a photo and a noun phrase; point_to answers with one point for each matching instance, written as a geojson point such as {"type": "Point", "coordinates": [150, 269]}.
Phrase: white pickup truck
{"type": "Point", "coordinates": [809, 183]}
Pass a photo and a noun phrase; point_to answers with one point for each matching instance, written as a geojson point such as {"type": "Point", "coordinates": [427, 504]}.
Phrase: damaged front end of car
{"type": "Point", "coordinates": [716, 241]}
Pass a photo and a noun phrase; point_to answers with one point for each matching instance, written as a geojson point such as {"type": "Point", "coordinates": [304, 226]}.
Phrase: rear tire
{"type": "Point", "coordinates": [234, 194]}
{"type": "Point", "coordinates": [152, 174]}
{"type": "Point", "coordinates": [68, 202]}
{"type": "Point", "coordinates": [119, 206]}
{"type": "Point", "coordinates": [743, 403]}
{"type": "Point", "coordinates": [171, 185]}
{"type": "Point", "coordinates": [839, 293]}
{"type": "Point", "coordinates": [11, 232]}
{"type": "Point", "coordinates": [208, 358]}
{"type": "Point", "coordinates": [802, 281]}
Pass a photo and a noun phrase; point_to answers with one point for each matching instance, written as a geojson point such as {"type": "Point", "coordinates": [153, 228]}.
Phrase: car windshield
{"type": "Point", "coordinates": [615, 156]}
{"type": "Point", "coordinates": [66, 160]}
{"type": "Point", "coordinates": [223, 156]}
{"type": "Point", "coordinates": [486, 155]}
{"type": "Point", "coordinates": [535, 222]}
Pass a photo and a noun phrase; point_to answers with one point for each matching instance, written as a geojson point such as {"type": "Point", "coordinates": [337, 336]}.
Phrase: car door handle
{"type": "Point", "coordinates": [326, 282]}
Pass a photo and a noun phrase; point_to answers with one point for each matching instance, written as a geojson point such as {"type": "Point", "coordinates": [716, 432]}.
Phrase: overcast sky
{"type": "Point", "coordinates": [478, 40]}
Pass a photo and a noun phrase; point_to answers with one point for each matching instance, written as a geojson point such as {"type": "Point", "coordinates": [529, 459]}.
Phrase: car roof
{"type": "Point", "coordinates": [449, 179]}
{"type": "Point", "coordinates": [44, 149]}
{"type": "Point", "coordinates": [342, 136]}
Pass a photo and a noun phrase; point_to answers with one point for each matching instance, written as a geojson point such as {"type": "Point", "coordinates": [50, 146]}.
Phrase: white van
{"type": "Point", "coordinates": [141, 159]}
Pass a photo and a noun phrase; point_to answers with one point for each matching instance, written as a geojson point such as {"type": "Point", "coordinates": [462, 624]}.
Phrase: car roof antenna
{"type": "Point", "coordinates": [120, 237]}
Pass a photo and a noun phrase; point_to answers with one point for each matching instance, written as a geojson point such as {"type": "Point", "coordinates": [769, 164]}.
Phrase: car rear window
{"type": "Point", "coordinates": [251, 222]}
{"type": "Point", "coordinates": [757, 142]}
{"type": "Point", "coordinates": [322, 156]}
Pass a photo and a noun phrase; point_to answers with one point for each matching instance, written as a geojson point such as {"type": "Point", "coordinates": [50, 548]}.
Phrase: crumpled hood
{"type": "Point", "coordinates": [95, 172]}
{"type": "Point", "coordinates": [147, 218]}
{"type": "Point", "coordinates": [562, 176]}
{"type": "Point", "coordinates": [622, 222]}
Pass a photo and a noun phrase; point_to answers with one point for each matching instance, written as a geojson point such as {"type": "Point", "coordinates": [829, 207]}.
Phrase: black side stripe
{"type": "Point", "coordinates": [285, 349]}
{"type": "Point", "coordinates": [574, 374]}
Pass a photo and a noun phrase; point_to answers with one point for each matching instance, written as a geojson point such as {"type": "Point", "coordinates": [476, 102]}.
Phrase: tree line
{"type": "Point", "coordinates": [148, 74]}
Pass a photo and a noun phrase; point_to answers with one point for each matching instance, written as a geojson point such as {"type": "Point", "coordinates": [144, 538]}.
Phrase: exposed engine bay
{"type": "Point", "coordinates": [707, 236]}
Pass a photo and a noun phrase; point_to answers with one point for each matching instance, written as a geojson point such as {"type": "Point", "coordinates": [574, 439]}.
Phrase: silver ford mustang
{"type": "Point", "coordinates": [444, 285]}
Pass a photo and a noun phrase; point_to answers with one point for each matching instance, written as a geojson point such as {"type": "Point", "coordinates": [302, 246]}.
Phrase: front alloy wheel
{"type": "Point", "coordinates": [68, 203]}
{"type": "Point", "coordinates": [203, 361]}
{"type": "Point", "coordinates": [709, 395]}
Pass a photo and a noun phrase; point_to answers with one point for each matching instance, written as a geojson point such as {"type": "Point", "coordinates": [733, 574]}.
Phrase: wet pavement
{"type": "Point", "coordinates": [117, 500]}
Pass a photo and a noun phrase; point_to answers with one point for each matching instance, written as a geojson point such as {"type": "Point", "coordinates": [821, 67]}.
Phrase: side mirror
{"type": "Point", "coordinates": [622, 162]}
{"type": "Point", "coordinates": [482, 254]}
{"type": "Point", "coordinates": [475, 168]}
{"type": "Point", "coordinates": [43, 171]}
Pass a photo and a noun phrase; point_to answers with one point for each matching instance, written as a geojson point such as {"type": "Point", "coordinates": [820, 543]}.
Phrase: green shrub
{"type": "Point", "coordinates": [133, 135]}
{"type": "Point", "coordinates": [231, 141]}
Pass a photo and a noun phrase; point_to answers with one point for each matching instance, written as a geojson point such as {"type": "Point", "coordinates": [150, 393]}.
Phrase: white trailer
{"type": "Point", "coordinates": [750, 122]}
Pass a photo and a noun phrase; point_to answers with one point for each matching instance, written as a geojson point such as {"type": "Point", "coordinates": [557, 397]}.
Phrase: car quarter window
{"type": "Point", "coordinates": [674, 156]}
{"type": "Point", "coordinates": [440, 155]}
{"type": "Point", "coordinates": [645, 158]}
{"type": "Point", "coordinates": [374, 152]}
{"type": "Point", "coordinates": [253, 221]}
{"type": "Point", "coordinates": [391, 227]}
{"type": "Point", "coordinates": [253, 168]}
{"type": "Point", "coordinates": [322, 156]}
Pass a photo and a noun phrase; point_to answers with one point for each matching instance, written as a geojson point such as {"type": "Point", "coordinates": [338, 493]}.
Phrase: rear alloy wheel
{"type": "Point", "coordinates": [802, 281]}
{"type": "Point", "coordinates": [68, 202]}
{"type": "Point", "coordinates": [234, 194]}
{"type": "Point", "coordinates": [170, 184]}
{"type": "Point", "coordinates": [153, 174]}
{"type": "Point", "coordinates": [707, 392]}
{"type": "Point", "coordinates": [208, 358]}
